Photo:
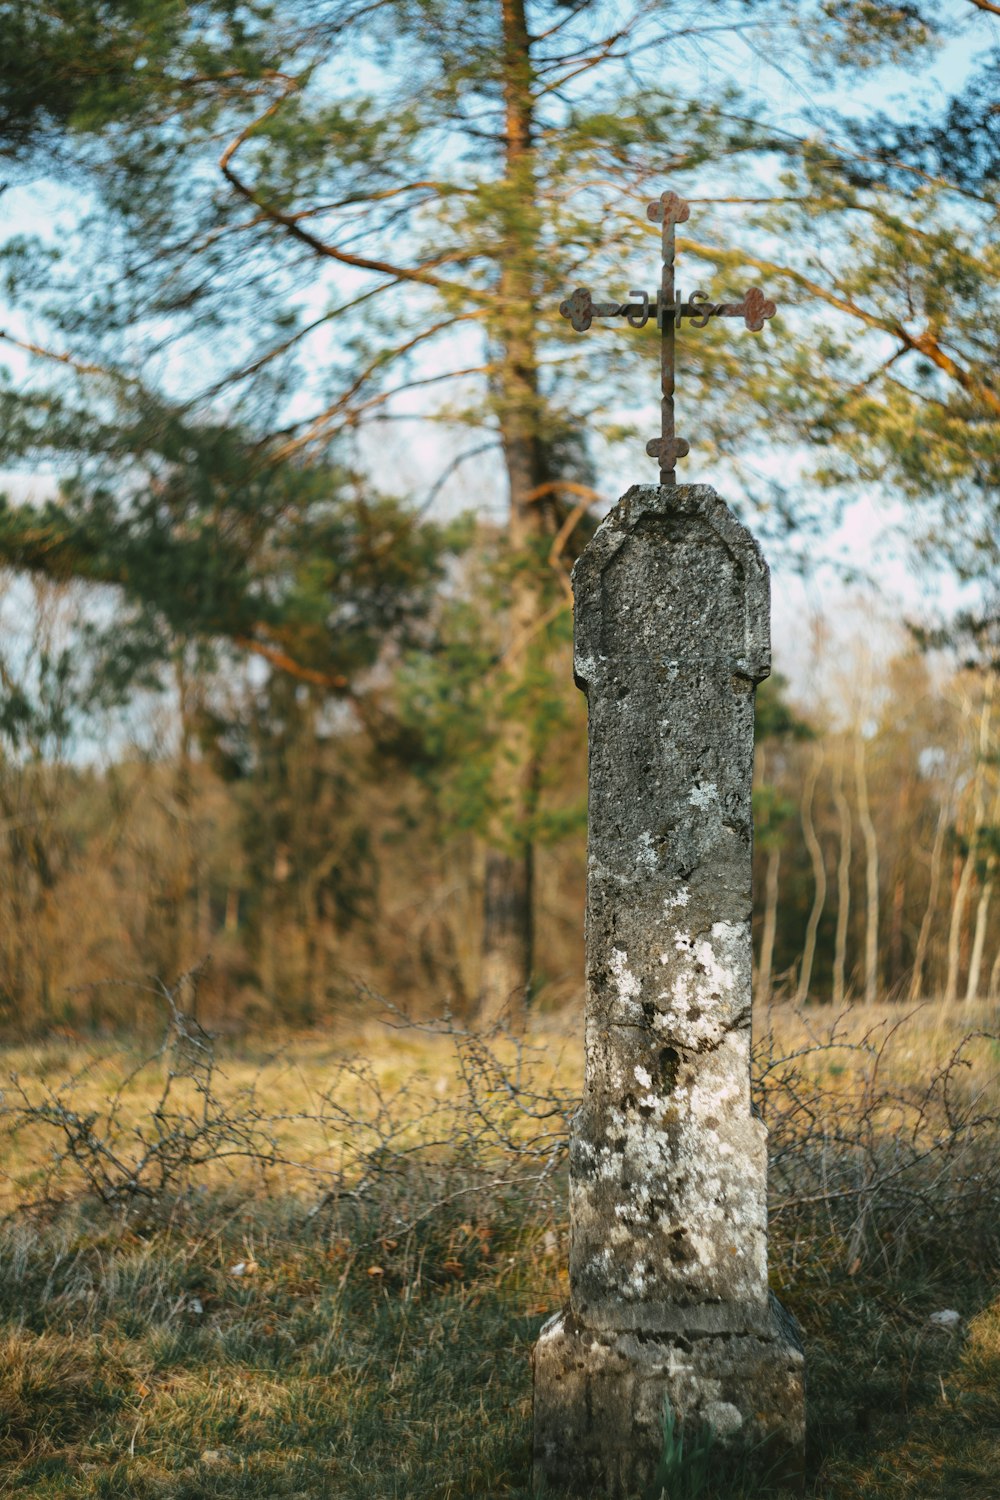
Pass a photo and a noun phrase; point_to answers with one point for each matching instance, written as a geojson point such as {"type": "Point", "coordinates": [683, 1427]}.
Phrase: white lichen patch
{"type": "Point", "coordinates": [723, 1417]}
{"type": "Point", "coordinates": [641, 1076]}
{"type": "Point", "coordinates": [704, 796]}
{"type": "Point", "coordinates": [708, 983]}
{"type": "Point", "coordinates": [626, 983]}
{"type": "Point", "coordinates": [714, 1099]}
{"type": "Point", "coordinates": [638, 1147]}
{"type": "Point", "coordinates": [646, 856]}
{"type": "Point", "coordinates": [598, 871]}
{"type": "Point", "coordinates": [681, 898]}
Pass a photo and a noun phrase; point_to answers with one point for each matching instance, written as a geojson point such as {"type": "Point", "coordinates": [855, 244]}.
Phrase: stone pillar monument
{"type": "Point", "coordinates": [669, 1302]}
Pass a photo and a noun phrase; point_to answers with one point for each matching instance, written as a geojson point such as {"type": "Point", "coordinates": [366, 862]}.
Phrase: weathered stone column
{"type": "Point", "coordinates": [669, 1300]}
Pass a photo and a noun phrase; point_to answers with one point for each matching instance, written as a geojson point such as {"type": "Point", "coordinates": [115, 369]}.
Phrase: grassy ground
{"type": "Point", "coordinates": [249, 1335]}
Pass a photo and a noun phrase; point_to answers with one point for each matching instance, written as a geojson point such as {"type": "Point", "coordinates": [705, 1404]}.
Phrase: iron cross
{"type": "Point", "coordinates": [668, 307]}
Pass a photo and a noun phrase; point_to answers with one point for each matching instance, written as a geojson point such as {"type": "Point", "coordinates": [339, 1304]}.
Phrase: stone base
{"type": "Point", "coordinates": [600, 1399]}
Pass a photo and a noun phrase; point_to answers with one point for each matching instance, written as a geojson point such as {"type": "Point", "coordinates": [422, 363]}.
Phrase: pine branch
{"type": "Point", "coordinates": [422, 275]}
{"type": "Point", "coordinates": [317, 429]}
{"type": "Point", "coordinates": [64, 552]}
{"type": "Point", "coordinates": [774, 137]}
{"type": "Point", "coordinates": [82, 367]}
{"type": "Point", "coordinates": [927, 343]}
{"type": "Point", "coordinates": [292, 668]}
{"type": "Point", "coordinates": [255, 365]}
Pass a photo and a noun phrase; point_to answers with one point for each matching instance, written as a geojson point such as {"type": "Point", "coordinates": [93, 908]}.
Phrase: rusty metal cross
{"type": "Point", "coordinates": [668, 307]}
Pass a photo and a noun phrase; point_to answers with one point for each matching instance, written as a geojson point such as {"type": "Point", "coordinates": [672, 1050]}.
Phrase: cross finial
{"type": "Point", "coordinates": [669, 308]}
{"type": "Point", "coordinates": [669, 208]}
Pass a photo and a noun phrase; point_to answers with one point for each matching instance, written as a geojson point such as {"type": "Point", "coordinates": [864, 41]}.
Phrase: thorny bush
{"type": "Point", "coordinates": [868, 1159]}
{"type": "Point", "coordinates": [360, 1143]}
{"type": "Point", "coordinates": [874, 1156]}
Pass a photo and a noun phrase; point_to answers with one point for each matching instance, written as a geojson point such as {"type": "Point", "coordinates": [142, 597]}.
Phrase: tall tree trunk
{"type": "Point", "coordinates": [507, 937]}
{"type": "Point", "coordinates": [819, 876]}
{"type": "Point", "coordinates": [979, 941]}
{"type": "Point", "coordinates": [895, 967]}
{"type": "Point", "coordinates": [923, 937]}
{"type": "Point", "coordinates": [184, 878]}
{"type": "Point", "coordinates": [770, 928]}
{"type": "Point", "coordinates": [892, 976]}
{"type": "Point", "coordinates": [871, 871]}
{"type": "Point", "coordinates": [982, 915]}
{"type": "Point", "coordinates": [507, 933]}
{"type": "Point", "coordinates": [204, 910]}
{"type": "Point", "coordinates": [959, 891]}
{"type": "Point", "coordinates": [994, 988]}
{"type": "Point", "coordinates": [267, 965]}
{"type": "Point", "coordinates": [969, 863]}
{"type": "Point", "coordinates": [843, 885]}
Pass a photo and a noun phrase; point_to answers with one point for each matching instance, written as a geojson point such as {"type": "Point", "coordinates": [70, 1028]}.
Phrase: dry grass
{"type": "Point", "coordinates": [312, 1097]}
{"type": "Point", "coordinates": [352, 1314]}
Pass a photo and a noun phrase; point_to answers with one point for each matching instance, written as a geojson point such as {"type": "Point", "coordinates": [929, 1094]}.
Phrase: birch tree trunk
{"type": "Point", "coordinates": [843, 885]}
{"type": "Point", "coordinates": [955, 930]}
{"type": "Point", "coordinates": [819, 876]}
{"type": "Point", "coordinates": [895, 964]}
{"type": "Point", "coordinates": [982, 916]}
{"type": "Point", "coordinates": [871, 871]}
{"type": "Point", "coordinates": [969, 863]}
{"type": "Point", "coordinates": [923, 937]}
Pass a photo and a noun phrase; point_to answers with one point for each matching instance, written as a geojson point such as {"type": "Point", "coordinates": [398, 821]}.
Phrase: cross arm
{"type": "Point", "coordinates": [755, 309]}
{"type": "Point", "coordinates": [581, 309]}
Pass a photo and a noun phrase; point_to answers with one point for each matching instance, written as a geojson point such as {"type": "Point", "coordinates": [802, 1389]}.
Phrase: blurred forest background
{"type": "Point", "coordinates": [297, 455]}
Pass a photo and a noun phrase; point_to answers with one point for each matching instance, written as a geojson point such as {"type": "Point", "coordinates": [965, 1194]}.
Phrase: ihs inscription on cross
{"type": "Point", "coordinates": [669, 308]}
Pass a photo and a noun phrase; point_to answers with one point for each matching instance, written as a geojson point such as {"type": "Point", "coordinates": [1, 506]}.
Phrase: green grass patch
{"type": "Point", "coordinates": [346, 1366]}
